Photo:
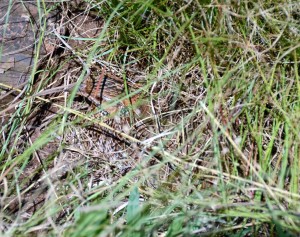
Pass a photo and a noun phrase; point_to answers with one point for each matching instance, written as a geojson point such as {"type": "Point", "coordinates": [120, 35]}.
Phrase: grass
{"type": "Point", "coordinates": [215, 154]}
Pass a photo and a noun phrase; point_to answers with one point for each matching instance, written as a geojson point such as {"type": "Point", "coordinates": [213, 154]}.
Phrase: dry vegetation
{"type": "Point", "coordinates": [157, 118]}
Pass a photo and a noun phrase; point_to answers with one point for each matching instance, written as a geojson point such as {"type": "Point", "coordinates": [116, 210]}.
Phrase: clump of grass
{"type": "Point", "coordinates": [217, 153]}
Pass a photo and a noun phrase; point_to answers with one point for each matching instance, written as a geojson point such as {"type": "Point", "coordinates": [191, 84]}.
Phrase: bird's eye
{"type": "Point", "coordinates": [104, 113]}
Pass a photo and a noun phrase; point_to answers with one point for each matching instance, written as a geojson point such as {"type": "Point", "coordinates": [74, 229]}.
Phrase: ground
{"type": "Point", "coordinates": [150, 118]}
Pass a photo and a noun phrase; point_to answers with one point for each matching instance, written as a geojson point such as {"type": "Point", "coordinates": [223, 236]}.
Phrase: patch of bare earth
{"type": "Point", "coordinates": [105, 123]}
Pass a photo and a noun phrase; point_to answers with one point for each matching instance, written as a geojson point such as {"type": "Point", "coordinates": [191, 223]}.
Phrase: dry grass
{"type": "Point", "coordinates": [201, 138]}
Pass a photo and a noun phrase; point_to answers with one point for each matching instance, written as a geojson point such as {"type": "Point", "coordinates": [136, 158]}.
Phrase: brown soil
{"type": "Point", "coordinates": [106, 154]}
{"type": "Point", "coordinates": [20, 33]}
